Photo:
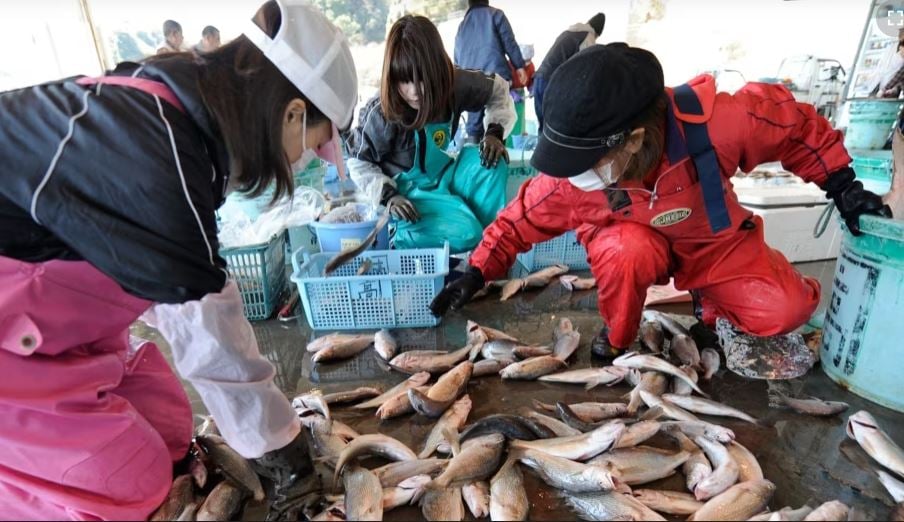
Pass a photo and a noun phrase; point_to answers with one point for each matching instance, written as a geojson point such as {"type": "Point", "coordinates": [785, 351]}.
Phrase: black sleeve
{"type": "Point", "coordinates": [130, 191]}
{"type": "Point", "coordinates": [472, 90]}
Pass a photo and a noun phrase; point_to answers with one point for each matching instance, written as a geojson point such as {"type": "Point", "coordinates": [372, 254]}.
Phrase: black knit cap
{"type": "Point", "coordinates": [590, 103]}
{"type": "Point", "coordinates": [597, 23]}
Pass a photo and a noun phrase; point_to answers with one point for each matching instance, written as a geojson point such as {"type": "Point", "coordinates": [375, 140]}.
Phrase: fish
{"type": "Point", "coordinates": [344, 397]}
{"type": "Point", "coordinates": [477, 460]}
{"type": "Point", "coordinates": [640, 465]}
{"type": "Point", "coordinates": [190, 511]}
{"type": "Point", "coordinates": [508, 498]}
{"type": "Point", "coordinates": [609, 505]}
{"type": "Point", "coordinates": [443, 393]}
{"type": "Point", "coordinates": [223, 502]}
{"type": "Point", "coordinates": [707, 407]}
{"type": "Point", "coordinates": [350, 253]}
{"type": "Point", "coordinates": [385, 344]}
{"type": "Point", "coordinates": [748, 467]}
{"type": "Point", "coordinates": [508, 350]}
{"type": "Point", "coordinates": [636, 433]}
{"type": "Point", "coordinates": [698, 428]}
{"type": "Point", "coordinates": [312, 401]}
{"type": "Point", "coordinates": [573, 282]}
{"type": "Point", "coordinates": [398, 405]}
{"type": "Point", "coordinates": [738, 502]}
{"type": "Point", "coordinates": [418, 379]}
{"type": "Point", "coordinates": [535, 280]}
{"type": "Point", "coordinates": [786, 513]}
{"type": "Point", "coordinates": [590, 377]}
{"type": "Point", "coordinates": [511, 426]}
{"type": "Point", "coordinates": [489, 367]}
{"type": "Point", "coordinates": [555, 425]}
{"type": "Point", "coordinates": [198, 470]}
{"type": "Point", "coordinates": [364, 267]}
{"type": "Point", "coordinates": [832, 510]}
{"type": "Point", "coordinates": [863, 428]}
{"type": "Point", "coordinates": [231, 464]}
{"type": "Point", "coordinates": [442, 504]}
{"type": "Point", "coordinates": [337, 339]}
{"type": "Point", "coordinates": [668, 502]}
{"type": "Point", "coordinates": [651, 336]}
{"type": "Point", "coordinates": [680, 387]}
{"type": "Point", "coordinates": [685, 349]}
{"type": "Point", "coordinates": [340, 351]}
{"type": "Point", "coordinates": [812, 406]}
{"type": "Point", "coordinates": [363, 494]}
{"type": "Point", "coordinates": [373, 444]}
{"type": "Point", "coordinates": [697, 466]}
{"type": "Point", "coordinates": [180, 495]}
{"type": "Point", "coordinates": [395, 473]}
{"type": "Point", "coordinates": [589, 411]}
{"type": "Point", "coordinates": [710, 361]}
{"type": "Point", "coordinates": [572, 419]}
{"type": "Point", "coordinates": [651, 382]}
{"type": "Point", "coordinates": [404, 493]}
{"type": "Point", "coordinates": [668, 324]}
{"type": "Point", "coordinates": [526, 352]}
{"type": "Point", "coordinates": [670, 410]}
{"type": "Point", "coordinates": [577, 447]}
{"type": "Point", "coordinates": [565, 474]}
{"type": "Point", "coordinates": [326, 444]}
{"type": "Point", "coordinates": [333, 513]}
{"type": "Point", "coordinates": [417, 361]}
{"type": "Point", "coordinates": [894, 486]}
{"type": "Point", "coordinates": [477, 498]}
{"type": "Point", "coordinates": [530, 369]}
{"type": "Point", "coordinates": [567, 339]}
{"type": "Point", "coordinates": [454, 418]}
{"type": "Point", "coordinates": [649, 362]}
{"type": "Point", "coordinates": [725, 469]}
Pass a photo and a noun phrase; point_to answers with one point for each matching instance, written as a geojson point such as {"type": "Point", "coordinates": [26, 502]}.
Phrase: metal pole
{"type": "Point", "coordinates": [849, 78]}
{"type": "Point", "coordinates": [98, 42]}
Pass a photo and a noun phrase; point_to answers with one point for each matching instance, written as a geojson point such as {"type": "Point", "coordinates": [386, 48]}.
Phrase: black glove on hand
{"type": "Point", "coordinates": [852, 199]}
{"type": "Point", "coordinates": [458, 292]}
{"type": "Point", "coordinates": [400, 207]}
{"type": "Point", "coordinates": [492, 149]}
{"type": "Point", "coordinates": [292, 473]}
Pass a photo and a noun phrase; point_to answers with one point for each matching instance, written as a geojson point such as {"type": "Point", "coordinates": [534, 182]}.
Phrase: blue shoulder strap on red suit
{"type": "Point", "coordinates": [700, 148]}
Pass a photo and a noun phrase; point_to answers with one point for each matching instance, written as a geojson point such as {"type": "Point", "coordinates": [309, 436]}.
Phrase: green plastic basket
{"type": "Point", "coordinates": [260, 272]}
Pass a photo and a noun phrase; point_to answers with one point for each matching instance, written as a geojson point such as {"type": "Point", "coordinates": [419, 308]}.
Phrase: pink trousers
{"type": "Point", "coordinates": [90, 424]}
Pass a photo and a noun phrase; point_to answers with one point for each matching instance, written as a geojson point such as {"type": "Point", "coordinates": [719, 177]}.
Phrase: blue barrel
{"type": "Point", "coordinates": [864, 323]}
{"type": "Point", "coordinates": [336, 237]}
{"type": "Point", "coordinates": [870, 122]}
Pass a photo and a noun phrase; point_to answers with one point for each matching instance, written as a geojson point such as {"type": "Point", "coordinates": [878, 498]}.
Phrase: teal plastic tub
{"type": "Point", "coordinates": [864, 323]}
{"type": "Point", "coordinates": [395, 292]}
{"type": "Point", "coordinates": [873, 169]}
{"type": "Point", "coordinates": [260, 273]}
{"type": "Point", "coordinates": [870, 122]}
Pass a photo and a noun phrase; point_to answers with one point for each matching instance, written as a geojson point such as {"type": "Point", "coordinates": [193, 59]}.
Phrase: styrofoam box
{"type": "Point", "coordinates": [790, 212]}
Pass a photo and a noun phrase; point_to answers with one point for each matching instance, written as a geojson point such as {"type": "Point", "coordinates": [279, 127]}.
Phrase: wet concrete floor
{"type": "Point", "coordinates": [809, 459]}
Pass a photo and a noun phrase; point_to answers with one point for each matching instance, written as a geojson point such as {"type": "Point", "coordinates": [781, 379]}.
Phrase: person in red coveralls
{"type": "Point", "coordinates": [641, 172]}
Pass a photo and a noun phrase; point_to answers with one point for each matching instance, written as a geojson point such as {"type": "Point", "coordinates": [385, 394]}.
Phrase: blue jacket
{"type": "Point", "coordinates": [484, 38]}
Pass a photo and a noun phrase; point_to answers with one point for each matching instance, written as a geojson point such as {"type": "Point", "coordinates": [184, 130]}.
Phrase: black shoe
{"type": "Point", "coordinates": [602, 348]}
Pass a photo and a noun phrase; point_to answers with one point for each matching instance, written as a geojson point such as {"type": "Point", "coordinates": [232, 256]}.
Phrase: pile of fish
{"type": "Point", "coordinates": [599, 458]}
{"type": "Point", "coordinates": [596, 456]}
{"type": "Point", "coordinates": [218, 483]}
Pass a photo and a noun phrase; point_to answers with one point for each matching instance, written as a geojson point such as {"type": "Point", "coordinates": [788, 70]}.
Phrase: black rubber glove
{"type": "Point", "coordinates": [292, 473]}
{"type": "Point", "coordinates": [492, 148]}
{"type": "Point", "coordinates": [400, 207]}
{"type": "Point", "coordinates": [457, 293]}
{"type": "Point", "coordinates": [852, 200]}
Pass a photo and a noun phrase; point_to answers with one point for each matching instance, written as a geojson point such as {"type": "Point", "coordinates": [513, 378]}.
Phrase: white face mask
{"type": "Point", "coordinates": [596, 178]}
{"type": "Point", "coordinates": [307, 155]}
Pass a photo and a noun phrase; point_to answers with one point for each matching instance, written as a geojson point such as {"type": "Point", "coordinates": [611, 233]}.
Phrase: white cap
{"type": "Point", "coordinates": [314, 55]}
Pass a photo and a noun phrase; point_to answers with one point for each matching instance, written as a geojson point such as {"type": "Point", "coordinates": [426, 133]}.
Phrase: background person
{"type": "Point", "coordinates": [210, 40]}
{"type": "Point", "coordinates": [173, 38]}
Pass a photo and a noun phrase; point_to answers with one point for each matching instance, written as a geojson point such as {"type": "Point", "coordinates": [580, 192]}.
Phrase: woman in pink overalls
{"type": "Point", "coordinates": [108, 188]}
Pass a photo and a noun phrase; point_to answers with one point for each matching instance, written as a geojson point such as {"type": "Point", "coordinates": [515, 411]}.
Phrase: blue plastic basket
{"type": "Point", "coordinates": [260, 272]}
{"type": "Point", "coordinates": [565, 249]}
{"type": "Point", "coordinates": [396, 292]}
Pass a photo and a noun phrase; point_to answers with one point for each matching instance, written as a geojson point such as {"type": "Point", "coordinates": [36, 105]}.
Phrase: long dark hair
{"type": "Point", "coordinates": [247, 96]}
{"type": "Point", "coordinates": [414, 53]}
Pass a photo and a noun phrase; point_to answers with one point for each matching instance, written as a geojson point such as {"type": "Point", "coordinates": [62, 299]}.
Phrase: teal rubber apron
{"type": "Point", "coordinates": [456, 197]}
